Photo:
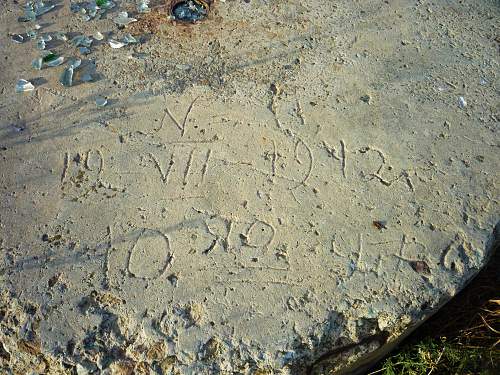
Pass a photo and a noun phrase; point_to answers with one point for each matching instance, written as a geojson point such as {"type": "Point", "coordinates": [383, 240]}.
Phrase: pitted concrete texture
{"type": "Point", "coordinates": [288, 187]}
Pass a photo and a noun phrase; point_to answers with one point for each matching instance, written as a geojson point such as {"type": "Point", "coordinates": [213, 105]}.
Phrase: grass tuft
{"type": "Point", "coordinates": [463, 338]}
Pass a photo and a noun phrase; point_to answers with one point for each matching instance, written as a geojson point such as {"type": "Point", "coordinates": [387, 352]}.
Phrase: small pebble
{"type": "Point", "coordinates": [462, 103]}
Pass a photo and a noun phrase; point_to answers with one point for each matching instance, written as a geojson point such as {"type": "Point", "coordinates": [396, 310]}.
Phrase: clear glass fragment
{"type": "Point", "coordinates": [81, 40]}
{"type": "Point", "coordinates": [75, 63]}
{"type": "Point", "coordinates": [61, 36]}
{"type": "Point", "coordinates": [31, 34]}
{"type": "Point", "coordinates": [123, 19]}
{"type": "Point", "coordinates": [23, 86]}
{"type": "Point", "coordinates": [115, 44]}
{"type": "Point", "coordinates": [40, 44]}
{"type": "Point", "coordinates": [87, 77]}
{"type": "Point", "coordinates": [37, 63]}
{"type": "Point", "coordinates": [101, 101]}
{"type": "Point", "coordinates": [17, 38]}
{"type": "Point", "coordinates": [84, 50]}
{"type": "Point", "coordinates": [98, 36]}
{"type": "Point", "coordinates": [40, 7]}
{"type": "Point", "coordinates": [129, 39]}
{"type": "Point", "coordinates": [67, 77]}
{"type": "Point", "coordinates": [143, 6]}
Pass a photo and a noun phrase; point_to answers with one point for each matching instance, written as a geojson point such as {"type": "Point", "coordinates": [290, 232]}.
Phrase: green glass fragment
{"type": "Point", "coordinates": [50, 57]}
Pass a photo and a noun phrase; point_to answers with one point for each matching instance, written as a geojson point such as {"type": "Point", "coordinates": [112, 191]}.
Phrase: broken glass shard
{"type": "Point", "coordinates": [67, 77]}
{"type": "Point", "coordinates": [84, 50]}
{"type": "Point", "coordinates": [87, 78]}
{"type": "Point", "coordinates": [75, 7]}
{"type": "Point", "coordinates": [56, 62]}
{"type": "Point", "coordinates": [37, 63]}
{"type": "Point", "coordinates": [143, 6]}
{"type": "Point", "coordinates": [100, 101]}
{"type": "Point", "coordinates": [75, 63]}
{"type": "Point", "coordinates": [61, 36]}
{"type": "Point", "coordinates": [91, 12]}
{"type": "Point", "coordinates": [98, 36]}
{"type": "Point", "coordinates": [40, 44]}
{"type": "Point", "coordinates": [22, 86]}
{"type": "Point", "coordinates": [81, 40]}
{"type": "Point", "coordinates": [29, 13]}
{"type": "Point", "coordinates": [17, 38]}
{"type": "Point", "coordinates": [48, 57]}
{"type": "Point", "coordinates": [33, 9]}
{"type": "Point", "coordinates": [129, 39]}
{"type": "Point", "coordinates": [190, 11]}
{"type": "Point", "coordinates": [115, 44]}
{"type": "Point", "coordinates": [31, 34]}
{"type": "Point", "coordinates": [105, 4]}
{"type": "Point", "coordinates": [92, 9]}
{"type": "Point", "coordinates": [40, 8]}
{"type": "Point", "coordinates": [123, 19]}
{"type": "Point", "coordinates": [83, 13]}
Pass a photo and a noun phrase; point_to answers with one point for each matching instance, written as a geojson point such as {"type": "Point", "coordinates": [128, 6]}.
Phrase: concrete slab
{"type": "Point", "coordinates": [287, 187]}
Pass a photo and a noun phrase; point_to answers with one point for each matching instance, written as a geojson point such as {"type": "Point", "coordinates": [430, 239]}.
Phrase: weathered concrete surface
{"type": "Point", "coordinates": [289, 187]}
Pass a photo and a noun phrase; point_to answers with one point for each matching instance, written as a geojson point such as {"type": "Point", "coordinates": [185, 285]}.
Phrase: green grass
{"type": "Point", "coordinates": [463, 338]}
{"type": "Point", "coordinates": [433, 356]}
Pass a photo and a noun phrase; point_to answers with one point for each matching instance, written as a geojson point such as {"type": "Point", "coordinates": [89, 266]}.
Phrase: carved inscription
{"type": "Point", "coordinates": [150, 255]}
{"type": "Point", "coordinates": [285, 159]}
{"type": "Point", "coordinates": [82, 176]}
